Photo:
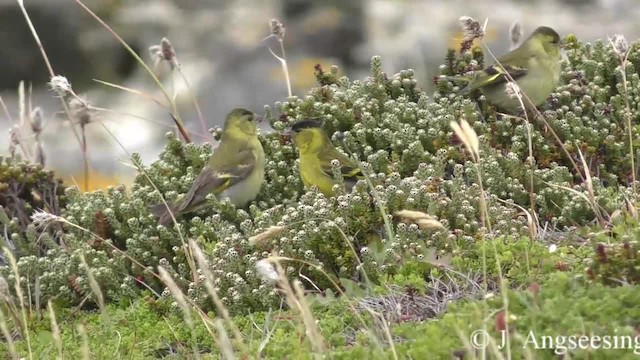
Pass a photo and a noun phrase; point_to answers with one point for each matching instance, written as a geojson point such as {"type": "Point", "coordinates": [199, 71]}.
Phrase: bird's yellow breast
{"type": "Point", "coordinates": [312, 174]}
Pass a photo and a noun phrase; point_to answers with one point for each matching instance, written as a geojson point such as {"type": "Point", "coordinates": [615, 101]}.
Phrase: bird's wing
{"type": "Point", "coordinates": [514, 64]}
{"type": "Point", "coordinates": [348, 167]}
{"type": "Point", "coordinates": [219, 176]}
{"type": "Point", "coordinates": [493, 75]}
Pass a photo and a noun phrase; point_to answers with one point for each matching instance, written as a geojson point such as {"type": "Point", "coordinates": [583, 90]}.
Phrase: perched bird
{"type": "Point", "coordinates": [316, 154]}
{"type": "Point", "coordinates": [234, 171]}
{"type": "Point", "coordinates": [534, 65]}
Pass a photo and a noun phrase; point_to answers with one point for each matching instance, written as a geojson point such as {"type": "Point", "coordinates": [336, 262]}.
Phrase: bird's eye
{"type": "Point", "coordinates": [249, 117]}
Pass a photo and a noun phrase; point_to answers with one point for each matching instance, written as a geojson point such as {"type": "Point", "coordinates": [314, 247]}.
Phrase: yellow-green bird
{"type": "Point", "coordinates": [316, 153]}
{"type": "Point", "coordinates": [534, 65]}
{"type": "Point", "coordinates": [235, 170]}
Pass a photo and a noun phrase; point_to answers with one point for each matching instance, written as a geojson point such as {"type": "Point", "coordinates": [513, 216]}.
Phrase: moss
{"type": "Point", "coordinates": [563, 305]}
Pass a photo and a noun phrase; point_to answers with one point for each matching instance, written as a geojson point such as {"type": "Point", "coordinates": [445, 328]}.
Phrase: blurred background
{"type": "Point", "coordinates": [224, 56]}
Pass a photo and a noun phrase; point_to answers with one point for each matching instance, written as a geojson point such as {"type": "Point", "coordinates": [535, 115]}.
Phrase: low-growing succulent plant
{"type": "Point", "coordinates": [403, 140]}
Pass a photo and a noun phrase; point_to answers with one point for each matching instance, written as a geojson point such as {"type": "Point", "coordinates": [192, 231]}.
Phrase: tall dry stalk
{"type": "Point", "coordinates": [622, 50]}
{"type": "Point", "coordinates": [174, 108]}
{"type": "Point", "coordinates": [278, 30]}
{"type": "Point", "coordinates": [52, 74]}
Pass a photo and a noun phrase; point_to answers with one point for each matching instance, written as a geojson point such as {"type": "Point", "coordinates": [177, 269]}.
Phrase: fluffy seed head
{"type": "Point", "coordinates": [164, 52]}
{"type": "Point", "coordinates": [42, 218]}
{"type": "Point", "coordinates": [620, 45]}
{"type": "Point", "coordinates": [277, 29]}
{"type": "Point", "coordinates": [265, 270]}
{"type": "Point", "coordinates": [471, 28]}
{"type": "Point", "coordinates": [36, 120]}
{"type": "Point", "coordinates": [60, 85]}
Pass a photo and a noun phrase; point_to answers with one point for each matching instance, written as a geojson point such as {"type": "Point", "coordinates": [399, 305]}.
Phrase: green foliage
{"type": "Point", "coordinates": [562, 305]}
{"type": "Point", "coordinates": [25, 188]}
{"type": "Point", "coordinates": [405, 144]}
{"type": "Point", "coordinates": [616, 259]}
{"type": "Point", "coordinates": [521, 260]}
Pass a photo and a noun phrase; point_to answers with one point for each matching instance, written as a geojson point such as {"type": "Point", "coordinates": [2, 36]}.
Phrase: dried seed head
{"type": "Point", "coordinates": [513, 90]}
{"type": "Point", "coordinates": [430, 224]}
{"type": "Point", "coordinates": [36, 120]}
{"type": "Point", "coordinates": [471, 28]}
{"type": "Point", "coordinates": [80, 110]}
{"type": "Point", "coordinates": [60, 85]}
{"type": "Point", "coordinates": [468, 136]}
{"type": "Point", "coordinates": [42, 218]}
{"type": "Point", "coordinates": [424, 220]}
{"type": "Point", "coordinates": [620, 45]}
{"type": "Point", "coordinates": [413, 215]}
{"type": "Point", "coordinates": [277, 29]}
{"type": "Point", "coordinates": [168, 53]}
{"type": "Point", "coordinates": [260, 238]}
{"type": "Point", "coordinates": [164, 52]}
{"type": "Point", "coordinates": [266, 270]}
{"type": "Point", "coordinates": [515, 34]}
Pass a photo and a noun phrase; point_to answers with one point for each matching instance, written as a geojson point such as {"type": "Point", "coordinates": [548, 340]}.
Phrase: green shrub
{"type": "Point", "coordinates": [404, 140]}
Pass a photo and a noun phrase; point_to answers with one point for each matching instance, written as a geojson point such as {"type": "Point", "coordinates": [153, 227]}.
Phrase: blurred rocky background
{"type": "Point", "coordinates": [224, 55]}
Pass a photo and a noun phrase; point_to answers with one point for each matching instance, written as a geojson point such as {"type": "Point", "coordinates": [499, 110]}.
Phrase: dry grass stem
{"type": "Point", "coordinates": [55, 329]}
{"type": "Point", "coordinates": [225, 345]}
{"type": "Point", "coordinates": [622, 49]}
{"type": "Point", "coordinates": [209, 284]}
{"type": "Point", "coordinates": [165, 52]}
{"type": "Point", "coordinates": [22, 323]}
{"type": "Point", "coordinates": [278, 31]}
{"type": "Point", "coordinates": [294, 297]}
{"type": "Point", "coordinates": [86, 351]}
{"type": "Point", "coordinates": [95, 288]}
{"type": "Point", "coordinates": [8, 336]}
{"type": "Point", "coordinates": [174, 108]}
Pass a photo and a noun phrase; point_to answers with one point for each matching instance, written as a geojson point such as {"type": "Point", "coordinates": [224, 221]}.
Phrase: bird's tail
{"type": "Point", "coordinates": [163, 212]}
